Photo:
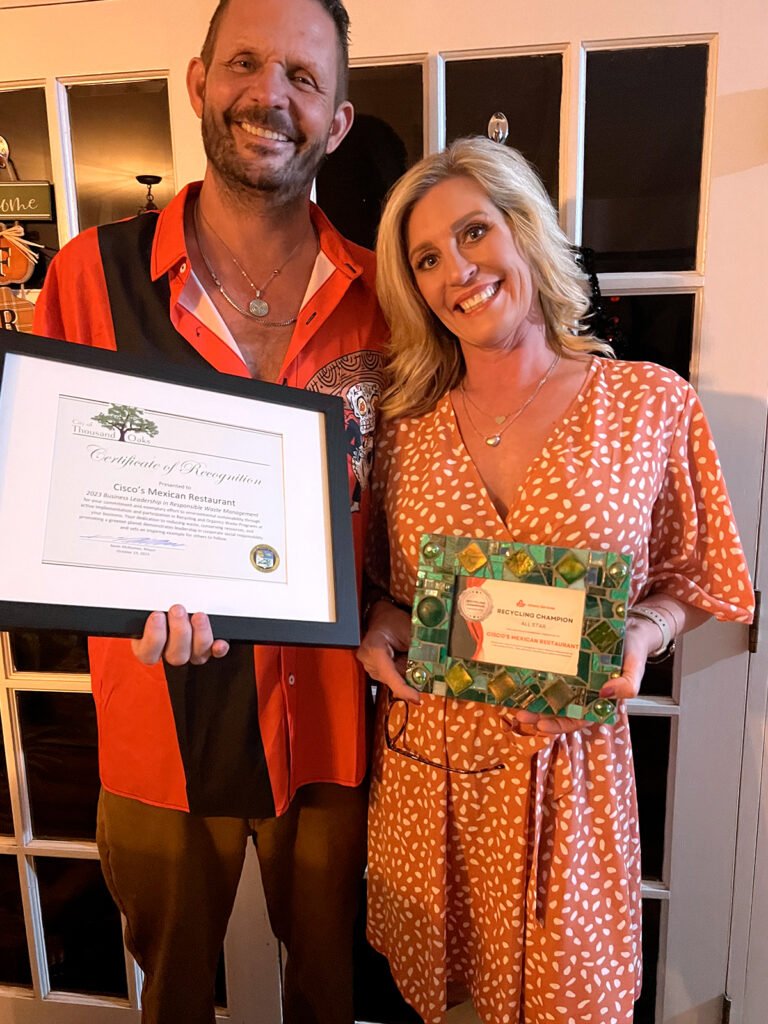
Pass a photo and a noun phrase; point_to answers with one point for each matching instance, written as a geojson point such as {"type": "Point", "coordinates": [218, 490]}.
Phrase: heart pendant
{"type": "Point", "coordinates": [494, 441]}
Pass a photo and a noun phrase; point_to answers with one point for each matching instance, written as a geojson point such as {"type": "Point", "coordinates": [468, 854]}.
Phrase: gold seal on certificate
{"type": "Point", "coordinates": [522, 625]}
{"type": "Point", "coordinates": [264, 558]}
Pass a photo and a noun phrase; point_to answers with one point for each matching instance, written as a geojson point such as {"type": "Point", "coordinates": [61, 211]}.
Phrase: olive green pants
{"type": "Point", "coordinates": [174, 877]}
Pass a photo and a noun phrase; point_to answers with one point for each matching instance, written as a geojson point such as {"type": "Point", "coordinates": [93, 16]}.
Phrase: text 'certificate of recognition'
{"type": "Point", "coordinates": [138, 489]}
{"type": "Point", "coordinates": [124, 490]}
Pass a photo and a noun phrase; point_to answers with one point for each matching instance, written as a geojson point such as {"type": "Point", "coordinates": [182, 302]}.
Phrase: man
{"type": "Point", "coordinates": [200, 752]}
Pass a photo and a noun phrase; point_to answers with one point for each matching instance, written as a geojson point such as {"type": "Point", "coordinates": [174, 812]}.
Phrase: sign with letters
{"type": "Point", "coordinates": [26, 200]}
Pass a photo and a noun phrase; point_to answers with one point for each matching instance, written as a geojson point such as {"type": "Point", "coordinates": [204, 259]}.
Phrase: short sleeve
{"type": "Point", "coordinates": [695, 553]}
{"type": "Point", "coordinates": [377, 564]}
{"type": "Point", "coordinates": [73, 305]}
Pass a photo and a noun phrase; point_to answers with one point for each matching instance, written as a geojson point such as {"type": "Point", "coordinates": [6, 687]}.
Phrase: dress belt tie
{"type": "Point", "coordinates": [551, 771]}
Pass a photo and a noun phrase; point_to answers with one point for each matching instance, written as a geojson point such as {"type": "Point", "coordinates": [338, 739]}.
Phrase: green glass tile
{"type": "Point", "coordinates": [418, 676]}
{"type": "Point", "coordinates": [604, 637]}
{"type": "Point", "coordinates": [458, 678]}
{"type": "Point", "coordinates": [520, 564]}
{"type": "Point", "coordinates": [431, 611]}
{"type": "Point", "coordinates": [616, 573]}
{"type": "Point", "coordinates": [571, 568]}
{"type": "Point", "coordinates": [501, 686]}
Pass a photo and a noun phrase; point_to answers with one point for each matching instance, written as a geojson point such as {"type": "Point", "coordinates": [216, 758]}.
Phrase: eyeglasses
{"type": "Point", "coordinates": [403, 750]}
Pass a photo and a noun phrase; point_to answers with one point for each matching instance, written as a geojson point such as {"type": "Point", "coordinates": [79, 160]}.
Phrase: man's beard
{"type": "Point", "coordinates": [290, 180]}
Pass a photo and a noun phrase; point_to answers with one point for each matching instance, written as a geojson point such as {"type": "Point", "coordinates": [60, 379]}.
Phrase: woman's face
{"type": "Point", "coordinates": [468, 267]}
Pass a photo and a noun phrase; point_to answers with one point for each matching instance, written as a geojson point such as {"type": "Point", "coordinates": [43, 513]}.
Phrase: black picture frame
{"type": "Point", "coordinates": [42, 613]}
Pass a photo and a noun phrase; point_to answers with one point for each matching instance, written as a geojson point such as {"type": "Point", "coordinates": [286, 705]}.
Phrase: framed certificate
{"type": "Point", "coordinates": [522, 625]}
{"type": "Point", "coordinates": [125, 489]}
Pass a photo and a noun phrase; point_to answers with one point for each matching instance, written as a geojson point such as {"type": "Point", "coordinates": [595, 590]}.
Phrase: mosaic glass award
{"type": "Point", "coordinates": [521, 625]}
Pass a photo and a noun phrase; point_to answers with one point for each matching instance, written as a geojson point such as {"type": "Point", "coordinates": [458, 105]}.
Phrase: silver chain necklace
{"type": "Point", "coordinates": [257, 308]}
{"type": "Point", "coordinates": [494, 440]}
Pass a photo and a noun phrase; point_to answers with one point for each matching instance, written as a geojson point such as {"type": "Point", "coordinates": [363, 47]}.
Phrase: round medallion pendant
{"type": "Point", "coordinates": [494, 441]}
{"type": "Point", "coordinates": [258, 307]}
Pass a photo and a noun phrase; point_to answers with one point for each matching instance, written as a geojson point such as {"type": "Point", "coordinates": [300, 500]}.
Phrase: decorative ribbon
{"type": "Point", "coordinates": [15, 235]}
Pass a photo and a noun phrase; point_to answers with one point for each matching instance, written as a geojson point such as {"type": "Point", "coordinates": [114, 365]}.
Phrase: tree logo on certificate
{"type": "Point", "coordinates": [126, 419]}
{"type": "Point", "coordinates": [264, 558]}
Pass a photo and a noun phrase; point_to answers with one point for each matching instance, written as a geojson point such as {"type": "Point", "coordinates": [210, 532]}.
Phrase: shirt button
{"type": "Point", "coordinates": [182, 268]}
{"type": "Point", "coordinates": [291, 679]}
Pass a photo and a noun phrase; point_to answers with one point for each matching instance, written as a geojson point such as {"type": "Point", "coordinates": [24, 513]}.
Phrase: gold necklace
{"type": "Point", "coordinates": [257, 317]}
{"type": "Point", "coordinates": [259, 306]}
{"type": "Point", "coordinates": [494, 440]}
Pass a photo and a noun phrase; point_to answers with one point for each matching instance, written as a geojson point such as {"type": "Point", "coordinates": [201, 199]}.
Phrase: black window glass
{"type": "Point", "coordinates": [644, 133]}
{"type": "Point", "coordinates": [221, 983]}
{"type": "Point", "coordinates": [49, 651]}
{"type": "Point", "coordinates": [645, 1007]}
{"type": "Point", "coordinates": [653, 328]}
{"type": "Point", "coordinates": [526, 90]}
{"type": "Point", "coordinates": [650, 747]}
{"type": "Point", "coordinates": [58, 734]}
{"type": "Point", "coordinates": [83, 939]}
{"type": "Point", "coordinates": [14, 958]}
{"type": "Point", "coordinates": [385, 139]}
{"type": "Point", "coordinates": [24, 126]}
{"type": "Point", "coordinates": [119, 130]}
{"type": "Point", "coordinates": [6, 820]}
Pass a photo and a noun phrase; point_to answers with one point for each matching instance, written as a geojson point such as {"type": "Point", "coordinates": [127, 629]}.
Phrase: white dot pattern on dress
{"type": "Point", "coordinates": [523, 884]}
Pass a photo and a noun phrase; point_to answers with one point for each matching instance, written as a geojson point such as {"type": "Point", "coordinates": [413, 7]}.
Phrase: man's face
{"type": "Point", "coordinates": [268, 99]}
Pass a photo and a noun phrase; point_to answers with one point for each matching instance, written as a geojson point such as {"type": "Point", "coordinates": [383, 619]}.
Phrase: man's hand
{"type": "Point", "coordinates": [388, 634]}
{"type": "Point", "coordinates": [179, 638]}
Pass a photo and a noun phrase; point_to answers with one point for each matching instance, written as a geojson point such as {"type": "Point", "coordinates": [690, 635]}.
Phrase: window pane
{"type": "Point", "coordinates": [6, 820]}
{"type": "Point", "coordinates": [119, 130]}
{"type": "Point", "coordinates": [58, 734]}
{"type": "Point", "coordinates": [656, 328]}
{"type": "Point", "coordinates": [24, 126]}
{"type": "Point", "coordinates": [221, 983]}
{"type": "Point", "coordinates": [658, 679]}
{"type": "Point", "coordinates": [14, 959]}
{"type": "Point", "coordinates": [82, 928]}
{"type": "Point", "coordinates": [642, 158]}
{"type": "Point", "coordinates": [385, 139]}
{"type": "Point", "coordinates": [650, 746]}
{"type": "Point", "coordinates": [526, 90]}
{"type": "Point", "coordinates": [645, 1007]}
{"type": "Point", "coordinates": [49, 651]}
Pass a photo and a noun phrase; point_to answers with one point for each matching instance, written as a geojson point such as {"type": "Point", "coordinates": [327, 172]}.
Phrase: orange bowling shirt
{"type": "Point", "coordinates": [239, 735]}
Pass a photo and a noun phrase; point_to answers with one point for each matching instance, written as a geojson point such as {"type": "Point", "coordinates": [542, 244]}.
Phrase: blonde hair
{"type": "Point", "coordinates": [425, 359]}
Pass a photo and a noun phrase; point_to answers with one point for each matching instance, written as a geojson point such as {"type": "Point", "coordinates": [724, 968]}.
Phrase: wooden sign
{"type": "Point", "coordinates": [15, 312]}
{"type": "Point", "coordinates": [26, 200]}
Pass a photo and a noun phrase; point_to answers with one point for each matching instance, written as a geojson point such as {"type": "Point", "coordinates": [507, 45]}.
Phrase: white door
{"type": "Point", "coordinates": [682, 262]}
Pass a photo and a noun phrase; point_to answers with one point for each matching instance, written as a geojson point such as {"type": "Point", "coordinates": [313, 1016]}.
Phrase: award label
{"type": "Point", "coordinates": [510, 623]}
{"type": "Point", "coordinates": [521, 625]}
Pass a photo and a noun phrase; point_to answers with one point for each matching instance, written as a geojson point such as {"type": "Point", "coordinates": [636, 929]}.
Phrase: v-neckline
{"type": "Point", "coordinates": [460, 449]}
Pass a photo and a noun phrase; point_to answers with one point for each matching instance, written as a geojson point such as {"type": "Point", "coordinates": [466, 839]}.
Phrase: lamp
{"type": "Point", "coordinates": [149, 180]}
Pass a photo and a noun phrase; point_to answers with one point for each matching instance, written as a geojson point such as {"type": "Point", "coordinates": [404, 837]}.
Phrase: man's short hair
{"type": "Point", "coordinates": [337, 11]}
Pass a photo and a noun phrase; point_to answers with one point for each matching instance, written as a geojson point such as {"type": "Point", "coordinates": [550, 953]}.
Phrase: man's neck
{"type": "Point", "coordinates": [247, 218]}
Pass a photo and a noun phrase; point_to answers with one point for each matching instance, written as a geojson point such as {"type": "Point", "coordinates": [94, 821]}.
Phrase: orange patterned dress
{"type": "Point", "coordinates": [522, 884]}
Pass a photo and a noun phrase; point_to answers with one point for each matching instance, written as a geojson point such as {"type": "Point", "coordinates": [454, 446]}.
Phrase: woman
{"type": "Point", "coordinates": [515, 873]}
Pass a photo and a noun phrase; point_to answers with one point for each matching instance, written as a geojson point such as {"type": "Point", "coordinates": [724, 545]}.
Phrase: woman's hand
{"type": "Point", "coordinates": [388, 635]}
{"type": "Point", "coordinates": [179, 638]}
{"type": "Point", "coordinates": [641, 637]}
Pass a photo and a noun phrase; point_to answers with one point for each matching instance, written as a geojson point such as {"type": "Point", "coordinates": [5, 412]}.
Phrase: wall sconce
{"type": "Point", "coordinates": [498, 127]}
{"type": "Point", "coordinates": [149, 180]}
